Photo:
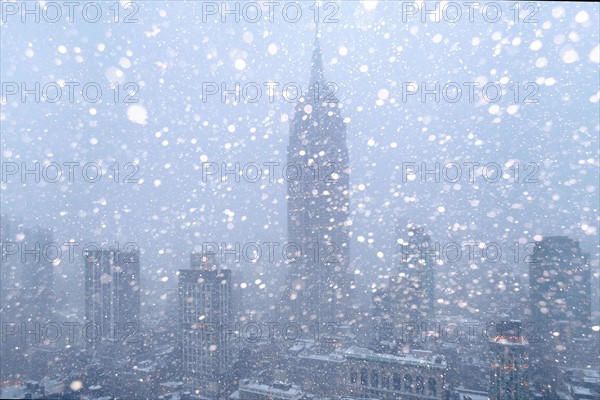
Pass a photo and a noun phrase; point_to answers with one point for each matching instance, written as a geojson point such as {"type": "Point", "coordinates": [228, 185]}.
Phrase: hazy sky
{"type": "Point", "coordinates": [371, 52]}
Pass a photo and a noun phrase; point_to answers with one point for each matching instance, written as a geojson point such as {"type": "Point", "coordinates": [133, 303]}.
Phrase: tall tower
{"type": "Point", "coordinates": [382, 332]}
{"type": "Point", "coordinates": [509, 363]}
{"type": "Point", "coordinates": [6, 237]}
{"type": "Point", "coordinates": [412, 286]}
{"type": "Point", "coordinates": [28, 296]}
{"type": "Point", "coordinates": [36, 275]}
{"type": "Point", "coordinates": [112, 304]}
{"type": "Point", "coordinates": [560, 284]}
{"type": "Point", "coordinates": [560, 295]}
{"type": "Point", "coordinates": [318, 282]}
{"type": "Point", "coordinates": [7, 267]}
{"type": "Point", "coordinates": [205, 317]}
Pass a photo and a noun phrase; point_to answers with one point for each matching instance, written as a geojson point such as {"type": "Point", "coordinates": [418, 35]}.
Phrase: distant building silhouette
{"type": "Point", "coordinates": [27, 296]}
{"type": "Point", "coordinates": [560, 284]}
{"type": "Point", "coordinates": [112, 304]}
{"type": "Point", "coordinates": [382, 332]}
{"type": "Point", "coordinates": [412, 284]}
{"type": "Point", "coordinates": [560, 297]}
{"type": "Point", "coordinates": [204, 318]}
{"type": "Point", "coordinates": [36, 273]}
{"type": "Point", "coordinates": [318, 282]}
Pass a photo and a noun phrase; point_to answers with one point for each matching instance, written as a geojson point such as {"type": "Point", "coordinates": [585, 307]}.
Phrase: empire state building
{"type": "Point", "coordinates": [319, 280]}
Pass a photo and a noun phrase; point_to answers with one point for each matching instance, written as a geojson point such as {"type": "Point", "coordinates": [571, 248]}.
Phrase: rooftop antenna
{"type": "Point", "coordinates": [316, 75]}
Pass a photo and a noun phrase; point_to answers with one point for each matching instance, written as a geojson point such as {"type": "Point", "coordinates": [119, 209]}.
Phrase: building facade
{"type": "Point", "coordinates": [318, 281]}
{"type": "Point", "coordinates": [509, 352]}
{"type": "Point", "coordinates": [35, 274]}
{"type": "Point", "coordinates": [205, 318]}
{"type": "Point", "coordinates": [560, 306]}
{"type": "Point", "coordinates": [560, 284]}
{"type": "Point", "coordinates": [417, 375]}
{"type": "Point", "coordinates": [112, 304]}
{"type": "Point", "coordinates": [412, 286]}
{"type": "Point", "coordinates": [27, 296]}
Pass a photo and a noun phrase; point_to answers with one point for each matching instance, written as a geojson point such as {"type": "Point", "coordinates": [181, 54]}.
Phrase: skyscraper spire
{"type": "Point", "coordinates": [319, 288]}
{"type": "Point", "coordinates": [317, 75]}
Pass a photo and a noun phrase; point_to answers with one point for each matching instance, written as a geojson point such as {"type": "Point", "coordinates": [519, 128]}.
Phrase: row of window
{"type": "Point", "coordinates": [395, 381]}
{"type": "Point", "coordinates": [196, 300]}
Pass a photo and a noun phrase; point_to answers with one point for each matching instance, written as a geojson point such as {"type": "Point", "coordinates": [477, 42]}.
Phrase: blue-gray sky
{"type": "Point", "coordinates": [369, 52]}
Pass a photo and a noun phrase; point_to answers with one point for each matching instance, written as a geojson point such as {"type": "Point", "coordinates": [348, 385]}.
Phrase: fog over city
{"type": "Point", "coordinates": [299, 200]}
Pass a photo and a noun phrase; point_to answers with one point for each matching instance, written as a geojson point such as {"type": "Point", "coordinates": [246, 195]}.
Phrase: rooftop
{"type": "Point", "coordinates": [361, 353]}
{"type": "Point", "coordinates": [280, 390]}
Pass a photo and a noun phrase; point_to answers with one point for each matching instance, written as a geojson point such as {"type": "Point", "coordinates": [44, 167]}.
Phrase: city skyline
{"type": "Point", "coordinates": [370, 200]}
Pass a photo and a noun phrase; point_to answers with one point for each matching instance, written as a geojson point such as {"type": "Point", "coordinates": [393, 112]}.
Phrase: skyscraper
{"type": "Point", "coordinates": [509, 363]}
{"type": "Point", "coordinates": [35, 274]}
{"type": "Point", "coordinates": [412, 286]}
{"type": "Point", "coordinates": [204, 316]}
{"type": "Point", "coordinates": [382, 332]}
{"type": "Point", "coordinates": [26, 294]}
{"type": "Point", "coordinates": [7, 267]}
{"type": "Point", "coordinates": [560, 284]}
{"type": "Point", "coordinates": [560, 296]}
{"type": "Point", "coordinates": [318, 282]}
{"type": "Point", "coordinates": [6, 237]}
{"type": "Point", "coordinates": [112, 304]}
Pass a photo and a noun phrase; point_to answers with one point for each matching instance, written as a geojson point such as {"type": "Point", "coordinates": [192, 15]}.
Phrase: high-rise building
{"type": "Point", "coordinates": [27, 295]}
{"type": "Point", "coordinates": [205, 317]}
{"type": "Point", "coordinates": [112, 304]}
{"type": "Point", "coordinates": [412, 286]}
{"type": "Point", "coordinates": [36, 273]}
{"type": "Point", "coordinates": [382, 332]}
{"type": "Point", "coordinates": [560, 284]}
{"type": "Point", "coordinates": [6, 265]}
{"type": "Point", "coordinates": [509, 351]}
{"type": "Point", "coordinates": [318, 282]}
{"type": "Point", "coordinates": [560, 297]}
{"type": "Point", "coordinates": [7, 345]}
{"type": "Point", "coordinates": [6, 237]}
{"type": "Point", "coordinates": [27, 273]}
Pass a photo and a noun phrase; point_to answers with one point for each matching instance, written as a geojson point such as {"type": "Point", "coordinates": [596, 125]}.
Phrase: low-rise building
{"type": "Point", "coordinates": [417, 375]}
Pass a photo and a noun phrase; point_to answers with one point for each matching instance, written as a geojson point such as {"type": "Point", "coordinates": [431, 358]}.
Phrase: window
{"type": "Point", "coordinates": [353, 377]}
{"type": "Point", "coordinates": [385, 381]}
{"type": "Point", "coordinates": [364, 377]}
{"type": "Point", "coordinates": [420, 386]}
{"type": "Point", "coordinates": [374, 378]}
{"type": "Point", "coordinates": [431, 382]}
{"type": "Point", "coordinates": [397, 382]}
{"type": "Point", "coordinates": [407, 383]}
